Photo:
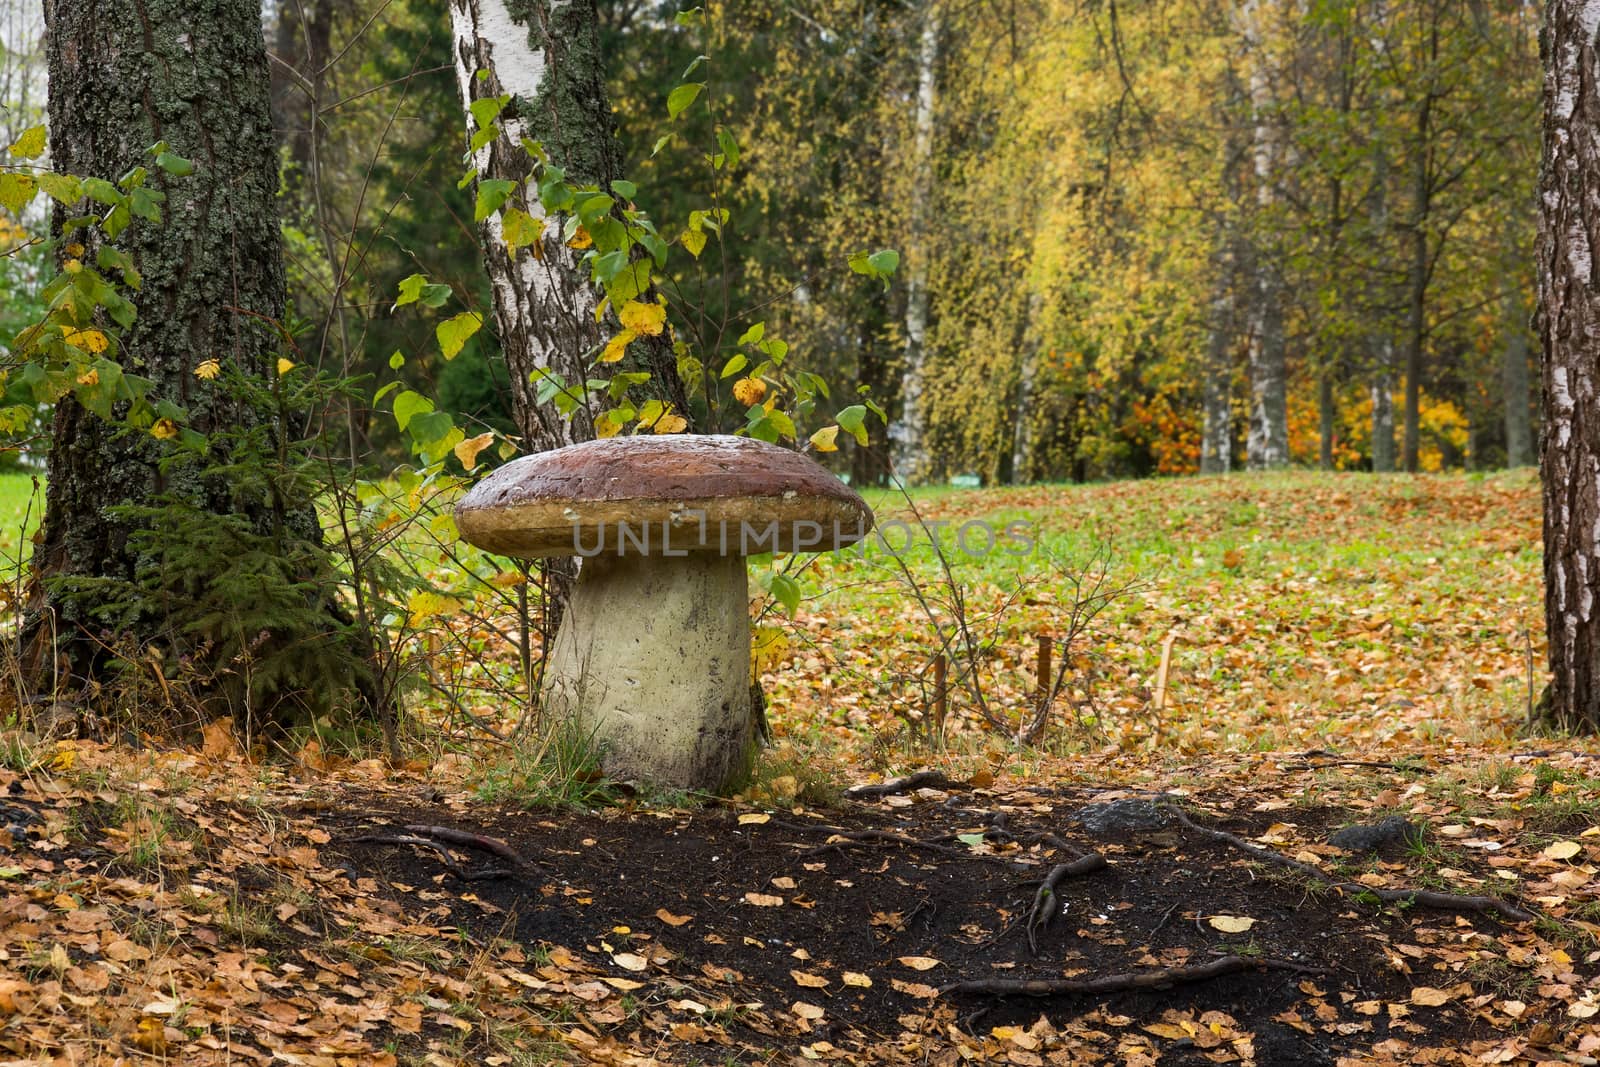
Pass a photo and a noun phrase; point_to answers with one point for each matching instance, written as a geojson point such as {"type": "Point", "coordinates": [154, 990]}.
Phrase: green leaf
{"type": "Point", "coordinates": [680, 98]}
{"type": "Point", "coordinates": [519, 229]}
{"type": "Point", "coordinates": [175, 164]}
{"type": "Point", "coordinates": [626, 190]}
{"type": "Point", "coordinates": [753, 334]}
{"type": "Point", "coordinates": [786, 591]}
{"type": "Point", "coordinates": [734, 365]}
{"type": "Point", "coordinates": [730, 147]}
{"type": "Point", "coordinates": [884, 263]}
{"type": "Point", "coordinates": [691, 18]}
{"type": "Point", "coordinates": [853, 419]}
{"type": "Point", "coordinates": [30, 144]}
{"type": "Point", "coordinates": [661, 142]}
{"type": "Point", "coordinates": [629, 283]}
{"type": "Point", "coordinates": [454, 332]}
{"type": "Point", "coordinates": [430, 427]}
{"type": "Point", "coordinates": [408, 405]}
{"type": "Point", "coordinates": [970, 840]}
{"type": "Point", "coordinates": [397, 361]}
{"type": "Point", "coordinates": [486, 109]}
{"type": "Point", "coordinates": [63, 188]}
{"type": "Point", "coordinates": [416, 288]}
{"type": "Point", "coordinates": [492, 192]}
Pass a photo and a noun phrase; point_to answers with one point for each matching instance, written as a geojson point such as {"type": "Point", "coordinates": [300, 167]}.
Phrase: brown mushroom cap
{"type": "Point", "coordinates": [661, 496]}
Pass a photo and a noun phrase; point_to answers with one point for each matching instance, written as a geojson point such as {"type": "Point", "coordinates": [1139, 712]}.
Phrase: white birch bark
{"type": "Point", "coordinates": [908, 435]}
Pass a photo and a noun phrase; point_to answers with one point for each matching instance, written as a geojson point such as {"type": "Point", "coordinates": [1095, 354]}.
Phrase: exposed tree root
{"type": "Point", "coordinates": [1425, 897]}
{"type": "Point", "coordinates": [894, 786]}
{"type": "Point", "coordinates": [1044, 901]}
{"type": "Point", "coordinates": [1122, 983]}
{"type": "Point", "coordinates": [444, 854]}
{"type": "Point", "coordinates": [467, 839]}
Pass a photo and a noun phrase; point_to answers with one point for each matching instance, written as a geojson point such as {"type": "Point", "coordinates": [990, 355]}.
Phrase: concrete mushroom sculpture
{"type": "Point", "coordinates": [653, 654]}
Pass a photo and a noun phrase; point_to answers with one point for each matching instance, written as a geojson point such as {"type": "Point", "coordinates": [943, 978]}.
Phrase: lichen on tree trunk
{"type": "Point", "coordinates": [122, 77]}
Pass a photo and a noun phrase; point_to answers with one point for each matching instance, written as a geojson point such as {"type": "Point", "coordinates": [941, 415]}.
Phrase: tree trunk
{"type": "Point", "coordinates": [1383, 405]}
{"type": "Point", "coordinates": [1325, 418]}
{"type": "Point", "coordinates": [546, 56]}
{"type": "Point", "coordinates": [1021, 468]}
{"type": "Point", "coordinates": [1417, 275]}
{"type": "Point", "coordinates": [1267, 445]}
{"type": "Point", "coordinates": [1569, 328]}
{"type": "Point", "coordinates": [908, 435]}
{"type": "Point", "coordinates": [124, 76]}
{"type": "Point", "coordinates": [1514, 377]}
{"type": "Point", "coordinates": [1216, 437]}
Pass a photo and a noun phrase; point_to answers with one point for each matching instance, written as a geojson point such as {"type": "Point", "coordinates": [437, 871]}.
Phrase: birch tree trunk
{"type": "Point", "coordinates": [908, 435]}
{"type": "Point", "coordinates": [1268, 440]}
{"type": "Point", "coordinates": [1022, 470]}
{"type": "Point", "coordinates": [1216, 437]}
{"type": "Point", "coordinates": [1514, 379]}
{"type": "Point", "coordinates": [1569, 321]}
{"type": "Point", "coordinates": [1383, 404]}
{"type": "Point", "coordinates": [546, 55]}
{"type": "Point", "coordinates": [1380, 341]}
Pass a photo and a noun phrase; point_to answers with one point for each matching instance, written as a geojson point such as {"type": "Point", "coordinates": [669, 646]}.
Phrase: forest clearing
{"type": "Point", "coordinates": [1348, 653]}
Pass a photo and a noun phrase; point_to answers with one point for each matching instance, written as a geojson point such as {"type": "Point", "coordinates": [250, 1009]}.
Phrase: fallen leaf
{"type": "Point", "coordinates": [673, 920]}
{"type": "Point", "coordinates": [810, 981]}
{"type": "Point", "coordinates": [919, 963]}
{"type": "Point", "coordinates": [809, 1012]}
{"type": "Point", "coordinates": [754, 818]}
{"type": "Point", "coordinates": [763, 900]}
{"type": "Point", "coordinates": [1562, 850]}
{"type": "Point", "coordinates": [1429, 997]}
{"type": "Point", "coordinates": [1230, 924]}
{"type": "Point", "coordinates": [629, 961]}
{"type": "Point", "coordinates": [854, 978]}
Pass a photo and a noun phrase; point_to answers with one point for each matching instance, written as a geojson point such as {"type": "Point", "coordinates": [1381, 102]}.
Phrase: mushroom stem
{"type": "Point", "coordinates": [653, 660]}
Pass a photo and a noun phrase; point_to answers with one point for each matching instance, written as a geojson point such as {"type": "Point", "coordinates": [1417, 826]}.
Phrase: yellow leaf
{"type": "Point", "coordinates": [467, 451]}
{"type": "Point", "coordinates": [164, 430]}
{"type": "Point", "coordinates": [581, 239]}
{"type": "Point", "coordinates": [1429, 997]}
{"type": "Point", "coordinates": [642, 318]}
{"type": "Point", "coordinates": [694, 242]}
{"type": "Point", "coordinates": [208, 370]}
{"type": "Point", "coordinates": [89, 377]}
{"type": "Point", "coordinates": [670, 423]}
{"type": "Point", "coordinates": [30, 144]}
{"type": "Point", "coordinates": [763, 900]}
{"type": "Point", "coordinates": [1169, 1031]}
{"type": "Point", "coordinates": [88, 340]}
{"type": "Point", "coordinates": [857, 979]}
{"type": "Point", "coordinates": [1230, 924]}
{"type": "Point", "coordinates": [809, 1012]}
{"type": "Point", "coordinates": [749, 391]}
{"type": "Point", "coordinates": [151, 1036]}
{"type": "Point", "coordinates": [617, 347]}
{"type": "Point", "coordinates": [285, 365]}
{"type": "Point", "coordinates": [672, 920]}
{"type": "Point", "coordinates": [753, 818]}
{"type": "Point", "coordinates": [768, 647]}
{"type": "Point", "coordinates": [519, 229]}
{"type": "Point", "coordinates": [823, 439]}
{"type": "Point", "coordinates": [810, 981]}
{"type": "Point", "coordinates": [919, 963]}
{"type": "Point", "coordinates": [1562, 850]}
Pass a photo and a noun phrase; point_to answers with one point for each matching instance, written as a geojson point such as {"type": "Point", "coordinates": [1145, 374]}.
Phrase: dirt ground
{"type": "Point", "coordinates": [770, 938]}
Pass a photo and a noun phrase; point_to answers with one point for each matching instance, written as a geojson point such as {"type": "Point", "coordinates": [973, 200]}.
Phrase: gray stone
{"type": "Point", "coordinates": [1130, 815]}
{"type": "Point", "coordinates": [1394, 830]}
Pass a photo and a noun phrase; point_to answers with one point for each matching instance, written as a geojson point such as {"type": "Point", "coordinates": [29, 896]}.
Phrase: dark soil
{"type": "Point", "coordinates": [862, 907]}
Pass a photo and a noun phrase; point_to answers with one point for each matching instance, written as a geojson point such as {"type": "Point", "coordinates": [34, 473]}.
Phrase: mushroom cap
{"type": "Point", "coordinates": [660, 496]}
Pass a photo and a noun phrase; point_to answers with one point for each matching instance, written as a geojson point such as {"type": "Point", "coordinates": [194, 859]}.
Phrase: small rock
{"type": "Point", "coordinates": [1371, 837]}
{"type": "Point", "coordinates": [1127, 816]}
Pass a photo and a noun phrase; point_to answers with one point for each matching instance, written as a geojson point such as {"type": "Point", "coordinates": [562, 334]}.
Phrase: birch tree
{"type": "Point", "coordinates": [1569, 321]}
{"type": "Point", "coordinates": [545, 56]}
